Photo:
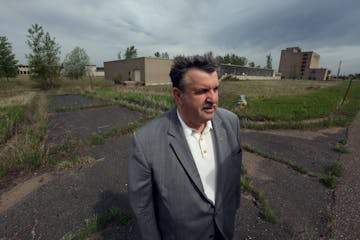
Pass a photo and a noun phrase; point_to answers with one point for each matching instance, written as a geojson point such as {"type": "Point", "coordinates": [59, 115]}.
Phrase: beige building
{"type": "Point", "coordinates": [23, 70]}
{"type": "Point", "coordinates": [296, 64]}
{"type": "Point", "coordinates": [144, 70]}
{"type": "Point", "coordinates": [93, 71]}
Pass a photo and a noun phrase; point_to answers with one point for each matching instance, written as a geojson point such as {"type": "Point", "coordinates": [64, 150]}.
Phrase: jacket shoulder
{"type": "Point", "coordinates": [154, 128]}
{"type": "Point", "coordinates": [227, 115]}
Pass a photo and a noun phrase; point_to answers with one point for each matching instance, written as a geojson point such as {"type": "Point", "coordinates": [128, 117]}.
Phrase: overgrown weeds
{"type": "Point", "coordinates": [266, 212]}
{"type": "Point", "coordinates": [10, 119]}
{"type": "Point", "coordinates": [25, 152]}
{"type": "Point", "coordinates": [291, 164]}
{"type": "Point", "coordinates": [98, 223]}
{"type": "Point", "coordinates": [332, 178]}
{"type": "Point", "coordinates": [294, 111]}
{"type": "Point", "coordinates": [341, 148]}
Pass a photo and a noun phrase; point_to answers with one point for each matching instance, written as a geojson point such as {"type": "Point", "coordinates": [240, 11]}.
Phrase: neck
{"type": "Point", "coordinates": [190, 124]}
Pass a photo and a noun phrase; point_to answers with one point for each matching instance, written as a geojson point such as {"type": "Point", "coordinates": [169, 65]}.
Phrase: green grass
{"type": "Point", "coordinates": [271, 104]}
{"type": "Point", "coordinates": [26, 151]}
{"type": "Point", "coordinates": [266, 212]}
{"type": "Point", "coordinates": [336, 168]}
{"type": "Point", "coordinates": [155, 101]}
{"type": "Point", "coordinates": [317, 104]}
{"type": "Point", "coordinates": [270, 88]}
{"type": "Point", "coordinates": [18, 83]}
{"type": "Point", "coordinates": [10, 119]}
{"type": "Point", "coordinates": [98, 223]}
{"type": "Point", "coordinates": [331, 180]}
{"type": "Point", "coordinates": [341, 148]}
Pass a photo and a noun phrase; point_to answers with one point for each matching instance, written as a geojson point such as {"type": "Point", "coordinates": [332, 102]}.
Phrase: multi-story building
{"type": "Point", "coordinates": [23, 70]}
{"type": "Point", "coordinates": [296, 64]}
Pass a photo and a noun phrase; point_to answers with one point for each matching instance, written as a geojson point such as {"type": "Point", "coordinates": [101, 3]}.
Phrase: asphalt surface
{"type": "Point", "coordinates": [302, 205]}
{"type": "Point", "coordinates": [346, 223]}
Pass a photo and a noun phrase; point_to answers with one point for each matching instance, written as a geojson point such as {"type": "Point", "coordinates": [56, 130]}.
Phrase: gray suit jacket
{"type": "Point", "coordinates": [165, 190]}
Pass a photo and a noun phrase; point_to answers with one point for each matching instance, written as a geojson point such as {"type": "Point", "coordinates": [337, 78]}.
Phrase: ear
{"type": "Point", "coordinates": [177, 94]}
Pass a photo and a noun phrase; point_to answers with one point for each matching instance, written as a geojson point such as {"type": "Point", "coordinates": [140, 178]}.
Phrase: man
{"type": "Point", "coordinates": [184, 172]}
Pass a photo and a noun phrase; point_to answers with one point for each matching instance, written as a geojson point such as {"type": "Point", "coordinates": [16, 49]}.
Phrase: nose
{"type": "Point", "coordinates": [212, 96]}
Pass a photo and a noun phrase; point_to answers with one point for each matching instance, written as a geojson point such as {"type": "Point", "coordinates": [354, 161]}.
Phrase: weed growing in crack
{"type": "Point", "coordinates": [331, 180]}
{"type": "Point", "coordinates": [292, 164]}
{"type": "Point", "coordinates": [97, 138]}
{"type": "Point", "coordinates": [266, 212]}
{"type": "Point", "coordinates": [341, 148]}
{"type": "Point", "coordinates": [98, 223]}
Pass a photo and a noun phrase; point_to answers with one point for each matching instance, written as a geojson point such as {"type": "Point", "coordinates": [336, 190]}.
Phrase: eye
{"type": "Point", "coordinates": [201, 91]}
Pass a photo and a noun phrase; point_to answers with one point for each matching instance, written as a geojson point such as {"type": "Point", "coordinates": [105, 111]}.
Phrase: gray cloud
{"type": "Point", "coordinates": [252, 29]}
{"type": "Point", "coordinates": [315, 23]}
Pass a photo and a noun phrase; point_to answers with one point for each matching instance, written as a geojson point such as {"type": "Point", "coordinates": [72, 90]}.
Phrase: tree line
{"type": "Point", "coordinates": [44, 58]}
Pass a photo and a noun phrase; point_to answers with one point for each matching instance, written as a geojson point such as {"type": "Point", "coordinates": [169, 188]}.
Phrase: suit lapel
{"type": "Point", "coordinates": [181, 149]}
{"type": "Point", "coordinates": [220, 140]}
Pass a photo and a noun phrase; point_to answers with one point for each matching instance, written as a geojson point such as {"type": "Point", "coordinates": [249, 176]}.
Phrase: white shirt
{"type": "Point", "coordinates": [202, 149]}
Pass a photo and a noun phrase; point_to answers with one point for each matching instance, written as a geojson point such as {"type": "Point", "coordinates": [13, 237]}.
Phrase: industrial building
{"type": "Point", "coordinates": [295, 64]}
{"type": "Point", "coordinates": [155, 71]}
{"type": "Point", "coordinates": [144, 70]}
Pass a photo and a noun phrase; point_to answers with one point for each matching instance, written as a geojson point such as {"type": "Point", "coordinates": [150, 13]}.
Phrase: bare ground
{"type": "Point", "coordinates": [51, 205]}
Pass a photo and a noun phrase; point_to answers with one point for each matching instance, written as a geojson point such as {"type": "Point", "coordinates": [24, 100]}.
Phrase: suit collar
{"type": "Point", "coordinates": [181, 149]}
{"type": "Point", "coordinates": [220, 136]}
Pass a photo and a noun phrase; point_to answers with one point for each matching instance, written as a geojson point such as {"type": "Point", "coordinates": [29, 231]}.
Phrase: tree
{"type": "Point", "coordinates": [7, 59]}
{"type": "Point", "coordinates": [251, 64]}
{"type": "Point", "coordinates": [162, 55]}
{"type": "Point", "coordinates": [269, 61]}
{"type": "Point", "coordinates": [44, 59]}
{"type": "Point", "coordinates": [219, 59]}
{"type": "Point", "coordinates": [119, 56]}
{"type": "Point", "coordinates": [75, 63]}
{"type": "Point", "coordinates": [131, 52]}
{"type": "Point", "coordinates": [233, 59]}
{"type": "Point", "coordinates": [165, 55]}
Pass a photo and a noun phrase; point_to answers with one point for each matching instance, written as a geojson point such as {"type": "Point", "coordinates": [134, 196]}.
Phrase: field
{"type": "Point", "coordinates": [271, 105]}
{"type": "Point", "coordinates": [30, 119]}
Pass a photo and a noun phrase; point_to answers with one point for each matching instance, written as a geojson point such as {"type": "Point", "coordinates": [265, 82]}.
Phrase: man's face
{"type": "Point", "coordinates": [197, 103]}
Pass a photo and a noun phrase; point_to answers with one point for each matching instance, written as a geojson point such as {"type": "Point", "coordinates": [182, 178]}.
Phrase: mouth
{"type": "Point", "coordinates": [209, 107]}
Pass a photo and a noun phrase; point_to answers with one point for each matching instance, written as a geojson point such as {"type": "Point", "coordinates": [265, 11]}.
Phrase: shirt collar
{"type": "Point", "coordinates": [188, 130]}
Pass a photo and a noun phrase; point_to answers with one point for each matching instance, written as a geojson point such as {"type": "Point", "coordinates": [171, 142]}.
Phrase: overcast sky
{"type": "Point", "coordinates": [247, 28]}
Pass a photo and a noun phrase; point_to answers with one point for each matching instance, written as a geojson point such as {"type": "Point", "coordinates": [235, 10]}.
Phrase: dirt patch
{"type": "Point", "coordinates": [22, 189]}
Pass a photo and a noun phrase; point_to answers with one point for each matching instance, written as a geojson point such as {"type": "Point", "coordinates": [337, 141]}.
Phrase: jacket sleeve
{"type": "Point", "coordinates": [140, 187]}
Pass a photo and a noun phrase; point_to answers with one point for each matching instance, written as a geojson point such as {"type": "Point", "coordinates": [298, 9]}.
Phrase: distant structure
{"type": "Point", "coordinates": [295, 64]}
{"type": "Point", "coordinates": [248, 73]}
{"type": "Point", "coordinates": [155, 71]}
{"type": "Point", "coordinates": [23, 70]}
{"type": "Point", "coordinates": [139, 71]}
{"type": "Point", "coordinates": [93, 71]}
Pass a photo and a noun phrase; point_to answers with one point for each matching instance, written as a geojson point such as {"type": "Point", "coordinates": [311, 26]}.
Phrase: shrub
{"type": "Point", "coordinates": [118, 79]}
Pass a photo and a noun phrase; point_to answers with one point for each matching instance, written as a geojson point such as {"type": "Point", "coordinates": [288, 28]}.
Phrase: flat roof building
{"type": "Point", "coordinates": [295, 64]}
{"type": "Point", "coordinates": [144, 70]}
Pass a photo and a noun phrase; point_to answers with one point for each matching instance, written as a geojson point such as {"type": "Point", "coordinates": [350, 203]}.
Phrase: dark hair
{"type": "Point", "coordinates": [182, 64]}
